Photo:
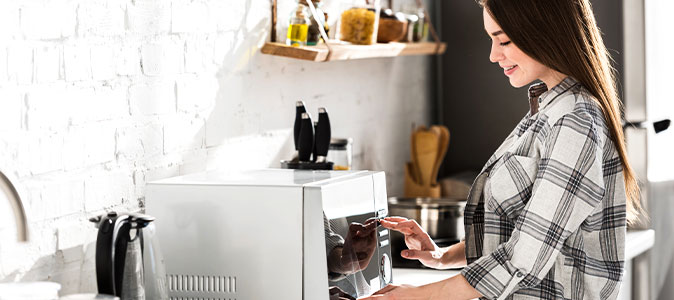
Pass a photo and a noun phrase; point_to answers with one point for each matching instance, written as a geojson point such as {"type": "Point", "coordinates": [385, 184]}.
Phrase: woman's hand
{"type": "Point", "coordinates": [422, 247]}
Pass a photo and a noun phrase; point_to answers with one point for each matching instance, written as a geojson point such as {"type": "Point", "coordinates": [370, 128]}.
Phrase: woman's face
{"type": "Point", "coordinates": [519, 67]}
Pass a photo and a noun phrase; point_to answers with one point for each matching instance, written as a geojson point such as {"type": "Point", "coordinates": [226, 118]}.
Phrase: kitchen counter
{"type": "Point", "coordinates": [636, 243]}
{"type": "Point", "coordinates": [420, 276]}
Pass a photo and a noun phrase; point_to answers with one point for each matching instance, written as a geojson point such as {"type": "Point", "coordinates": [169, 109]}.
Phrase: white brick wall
{"type": "Point", "coordinates": [20, 63]}
{"type": "Point", "coordinates": [12, 109]}
{"type": "Point", "coordinates": [77, 61]}
{"type": "Point", "coordinates": [9, 20]}
{"type": "Point", "coordinates": [47, 64]}
{"type": "Point", "coordinates": [154, 97]}
{"type": "Point", "coordinates": [98, 97]}
{"type": "Point", "coordinates": [189, 16]}
{"type": "Point", "coordinates": [162, 58]}
{"type": "Point", "coordinates": [101, 18]}
{"type": "Point", "coordinates": [48, 21]}
{"type": "Point", "coordinates": [3, 64]}
{"type": "Point", "coordinates": [148, 18]}
{"type": "Point", "coordinates": [102, 62]}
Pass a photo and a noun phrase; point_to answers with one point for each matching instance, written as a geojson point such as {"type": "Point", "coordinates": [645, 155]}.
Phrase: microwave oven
{"type": "Point", "coordinates": [272, 234]}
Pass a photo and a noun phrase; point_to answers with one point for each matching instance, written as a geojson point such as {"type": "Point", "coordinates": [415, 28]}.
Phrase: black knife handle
{"type": "Point", "coordinates": [315, 139]}
{"type": "Point", "coordinates": [299, 110]}
{"type": "Point", "coordinates": [323, 133]}
{"type": "Point", "coordinates": [306, 143]}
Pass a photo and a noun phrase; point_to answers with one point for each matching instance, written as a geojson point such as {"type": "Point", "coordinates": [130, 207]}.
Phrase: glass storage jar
{"type": "Point", "coordinates": [298, 27]}
{"type": "Point", "coordinates": [341, 153]}
{"type": "Point", "coordinates": [360, 23]}
{"type": "Point", "coordinates": [314, 33]}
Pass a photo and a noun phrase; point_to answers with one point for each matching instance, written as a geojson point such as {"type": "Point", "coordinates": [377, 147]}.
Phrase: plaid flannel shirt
{"type": "Point", "coordinates": [546, 217]}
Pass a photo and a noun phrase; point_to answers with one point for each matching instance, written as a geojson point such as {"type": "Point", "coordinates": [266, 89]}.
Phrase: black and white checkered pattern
{"type": "Point", "coordinates": [546, 217]}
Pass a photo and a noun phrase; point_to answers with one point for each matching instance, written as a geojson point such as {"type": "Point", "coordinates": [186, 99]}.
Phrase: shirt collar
{"type": "Point", "coordinates": [540, 96]}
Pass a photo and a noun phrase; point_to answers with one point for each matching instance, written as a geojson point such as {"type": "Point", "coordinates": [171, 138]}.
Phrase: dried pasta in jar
{"type": "Point", "coordinates": [357, 26]}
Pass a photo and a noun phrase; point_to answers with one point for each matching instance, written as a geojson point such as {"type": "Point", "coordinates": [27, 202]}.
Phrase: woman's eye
{"type": "Point", "coordinates": [505, 43]}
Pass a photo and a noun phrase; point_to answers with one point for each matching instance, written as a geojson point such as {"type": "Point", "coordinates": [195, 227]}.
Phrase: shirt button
{"type": "Point", "coordinates": [519, 274]}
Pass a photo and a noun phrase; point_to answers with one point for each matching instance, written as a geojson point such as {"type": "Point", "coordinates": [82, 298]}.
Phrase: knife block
{"type": "Point", "coordinates": [306, 165]}
{"type": "Point", "coordinates": [414, 190]}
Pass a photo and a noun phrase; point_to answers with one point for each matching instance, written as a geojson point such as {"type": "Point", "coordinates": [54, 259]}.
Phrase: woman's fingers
{"type": "Point", "coordinates": [406, 227]}
{"type": "Point", "coordinates": [395, 219]}
{"type": "Point", "coordinates": [386, 289]}
{"type": "Point", "coordinates": [420, 255]}
{"type": "Point", "coordinates": [397, 227]}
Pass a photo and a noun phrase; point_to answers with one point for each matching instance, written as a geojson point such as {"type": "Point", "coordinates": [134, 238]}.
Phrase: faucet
{"type": "Point", "coordinates": [15, 201]}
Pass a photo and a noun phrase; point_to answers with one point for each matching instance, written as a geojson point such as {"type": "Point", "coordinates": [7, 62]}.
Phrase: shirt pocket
{"type": "Point", "coordinates": [510, 184]}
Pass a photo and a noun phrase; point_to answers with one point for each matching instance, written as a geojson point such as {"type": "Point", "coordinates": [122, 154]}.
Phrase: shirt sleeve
{"type": "Point", "coordinates": [568, 187]}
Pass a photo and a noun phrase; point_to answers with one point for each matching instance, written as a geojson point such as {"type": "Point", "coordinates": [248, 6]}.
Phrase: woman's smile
{"type": "Point", "coordinates": [509, 70]}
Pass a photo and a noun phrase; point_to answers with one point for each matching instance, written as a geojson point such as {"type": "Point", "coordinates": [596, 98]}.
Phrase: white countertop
{"type": "Point", "coordinates": [636, 243]}
{"type": "Point", "coordinates": [420, 276]}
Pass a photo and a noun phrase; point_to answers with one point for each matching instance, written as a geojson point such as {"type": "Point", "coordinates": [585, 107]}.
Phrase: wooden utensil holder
{"type": "Point", "coordinates": [412, 189]}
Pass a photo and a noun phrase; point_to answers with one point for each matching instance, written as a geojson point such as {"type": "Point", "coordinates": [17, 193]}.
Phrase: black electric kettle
{"type": "Point", "coordinates": [128, 261]}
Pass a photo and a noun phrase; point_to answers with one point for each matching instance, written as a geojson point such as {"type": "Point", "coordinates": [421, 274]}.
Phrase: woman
{"type": "Point", "coordinates": [546, 217]}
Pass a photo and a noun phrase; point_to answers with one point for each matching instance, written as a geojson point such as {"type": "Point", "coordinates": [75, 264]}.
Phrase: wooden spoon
{"type": "Point", "coordinates": [414, 166]}
{"type": "Point", "coordinates": [426, 143]}
{"type": "Point", "coordinates": [443, 132]}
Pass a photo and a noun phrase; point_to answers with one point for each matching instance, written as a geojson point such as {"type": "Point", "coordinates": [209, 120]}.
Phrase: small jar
{"type": "Point", "coordinates": [314, 33]}
{"type": "Point", "coordinates": [360, 23]}
{"type": "Point", "coordinates": [341, 153]}
{"type": "Point", "coordinates": [421, 28]}
{"type": "Point", "coordinates": [298, 27]}
{"type": "Point", "coordinates": [412, 21]}
{"type": "Point", "coordinates": [417, 30]}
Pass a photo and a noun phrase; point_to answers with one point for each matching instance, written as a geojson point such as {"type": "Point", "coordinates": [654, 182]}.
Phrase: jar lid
{"type": "Point", "coordinates": [412, 18]}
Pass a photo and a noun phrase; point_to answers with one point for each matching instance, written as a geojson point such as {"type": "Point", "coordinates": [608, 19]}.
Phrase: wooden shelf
{"type": "Point", "coordinates": [347, 52]}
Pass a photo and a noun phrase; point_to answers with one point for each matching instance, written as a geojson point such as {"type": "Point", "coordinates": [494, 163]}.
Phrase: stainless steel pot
{"type": "Point", "coordinates": [442, 218]}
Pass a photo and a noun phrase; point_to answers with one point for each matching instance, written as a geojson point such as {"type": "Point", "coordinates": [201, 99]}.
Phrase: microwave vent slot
{"type": "Point", "coordinates": [202, 284]}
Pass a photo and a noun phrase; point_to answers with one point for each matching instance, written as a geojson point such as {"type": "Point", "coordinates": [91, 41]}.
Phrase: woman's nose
{"type": "Point", "coordinates": [496, 54]}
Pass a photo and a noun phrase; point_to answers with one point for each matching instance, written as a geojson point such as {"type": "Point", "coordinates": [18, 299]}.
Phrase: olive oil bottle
{"type": "Point", "coordinates": [298, 27]}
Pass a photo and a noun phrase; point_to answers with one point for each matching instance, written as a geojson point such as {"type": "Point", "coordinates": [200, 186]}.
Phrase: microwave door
{"type": "Point", "coordinates": [352, 256]}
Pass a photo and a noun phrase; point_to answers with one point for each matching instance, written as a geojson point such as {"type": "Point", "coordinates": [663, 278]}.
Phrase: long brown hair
{"type": "Point", "coordinates": [563, 35]}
